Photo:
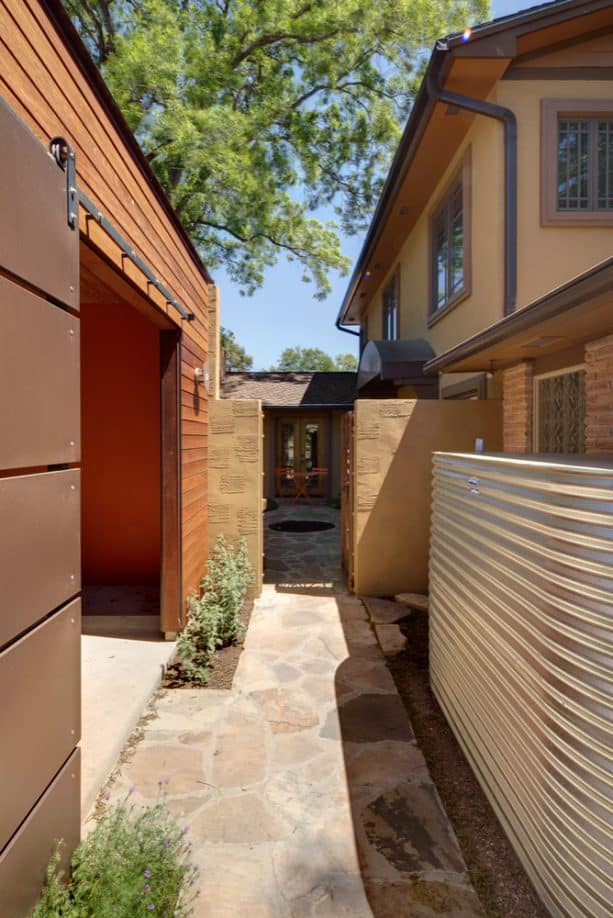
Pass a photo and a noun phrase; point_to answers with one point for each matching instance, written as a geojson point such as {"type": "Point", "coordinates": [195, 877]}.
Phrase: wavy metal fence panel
{"type": "Point", "coordinates": [521, 653]}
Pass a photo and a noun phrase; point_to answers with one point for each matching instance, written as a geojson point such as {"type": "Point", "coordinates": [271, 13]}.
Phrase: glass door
{"type": "Point", "coordinates": [301, 448]}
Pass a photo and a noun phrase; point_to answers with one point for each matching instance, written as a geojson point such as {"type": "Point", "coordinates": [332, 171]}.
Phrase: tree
{"type": "Point", "coordinates": [255, 113]}
{"type": "Point", "coordinates": [347, 362]}
{"type": "Point", "coordinates": [305, 359]}
{"type": "Point", "coordinates": [237, 358]}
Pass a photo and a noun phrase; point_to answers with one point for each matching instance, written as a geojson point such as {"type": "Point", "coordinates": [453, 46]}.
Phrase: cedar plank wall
{"type": "Point", "coordinates": [45, 86]}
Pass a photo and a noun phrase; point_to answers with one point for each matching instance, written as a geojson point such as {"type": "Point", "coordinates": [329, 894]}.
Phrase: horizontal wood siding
{"type": "Point", "coordinates": [44, 84]}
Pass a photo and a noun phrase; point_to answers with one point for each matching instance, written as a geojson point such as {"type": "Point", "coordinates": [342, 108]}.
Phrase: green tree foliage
{"type": "Point", "coordinates": [305, 359]}
{"type": "Point", "coordinates": [237, 358]}
{"type": "Point", "coordinates": [255, 113]}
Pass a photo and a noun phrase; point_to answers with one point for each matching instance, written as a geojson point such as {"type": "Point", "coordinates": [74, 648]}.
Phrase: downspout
{"type": "Point", "coordinates": [500, 113]}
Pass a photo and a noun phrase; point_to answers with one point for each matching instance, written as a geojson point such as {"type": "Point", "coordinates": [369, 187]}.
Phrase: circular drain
{"type": "Point", "coordinates": [301, 526]}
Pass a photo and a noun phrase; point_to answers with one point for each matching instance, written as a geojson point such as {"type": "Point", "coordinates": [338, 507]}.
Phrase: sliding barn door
{"type": "Point", "coordinates": [40, 578]}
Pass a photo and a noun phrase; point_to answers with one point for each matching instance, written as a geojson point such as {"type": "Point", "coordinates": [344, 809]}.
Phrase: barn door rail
{"type": "Point", "coordinates": [129, 252]}
{"type": "Point", "coordinates": [65, 158]}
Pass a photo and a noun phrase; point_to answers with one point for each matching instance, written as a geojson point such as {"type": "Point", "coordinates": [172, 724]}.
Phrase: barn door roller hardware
{"type": "Point", "coordinates": [64, 156]}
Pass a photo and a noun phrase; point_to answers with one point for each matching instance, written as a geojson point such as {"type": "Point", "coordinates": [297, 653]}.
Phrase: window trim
{"type": "Point", "coordinates": [551, 109]}
{"type": "Point", "coordinates": [394, 281]}
{"type": "Point", "coordinates": [561, 371]}
{"type": "Point", "coordinates": [462, 174]}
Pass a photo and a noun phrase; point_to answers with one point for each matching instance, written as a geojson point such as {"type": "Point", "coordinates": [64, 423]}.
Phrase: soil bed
{"type": "Point", "coordinates": [499, 879]}
{"type": "Point", "coordinates": [222, 666]}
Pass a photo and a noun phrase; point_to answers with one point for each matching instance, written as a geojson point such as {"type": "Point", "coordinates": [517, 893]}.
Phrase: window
{"type": "Point", "coordinates": [450, 256]}
{"type": "Point", "coordinates": [585, 164]}
{"type": "Point", "coordinates": [390, 308]}
{"type": "Point", "coordinates": [577, 161]}
{"type": "Point", "coordinates": [559, 415]}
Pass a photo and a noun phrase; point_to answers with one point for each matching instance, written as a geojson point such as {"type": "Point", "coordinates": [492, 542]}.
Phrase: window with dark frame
{"type": "Point", "coordinates": [390, 308]}
{"type": "Point", "coordinates": [448, 249]}
{"type": "Point", "coordinates": [585, 164]}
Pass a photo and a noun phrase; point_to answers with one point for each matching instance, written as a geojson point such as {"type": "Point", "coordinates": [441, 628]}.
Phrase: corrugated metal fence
{"type": "Point", "coordinates": [521, 606]}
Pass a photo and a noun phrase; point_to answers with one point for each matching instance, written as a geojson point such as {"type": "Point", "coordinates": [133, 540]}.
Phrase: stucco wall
{"type": "Point", "coordinates": [393, 444]}
{"type": "Point", "coordinates": [548, 256]}
{"type": "Point", "coordinates": [235, 476]}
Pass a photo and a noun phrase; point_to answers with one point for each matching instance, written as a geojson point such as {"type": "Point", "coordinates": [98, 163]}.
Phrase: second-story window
{"type": "Point", "coordinates": [390, 308]}
{"type": "Point", "coordinates": [448, 249]}
{"type": "Point", "coordinates": [585, 164]}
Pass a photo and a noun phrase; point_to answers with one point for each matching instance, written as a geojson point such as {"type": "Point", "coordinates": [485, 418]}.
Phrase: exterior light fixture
{"type": "Point", "coordinates": [202, 375]}
{"type": "Point", "coordinates": [466, 34]}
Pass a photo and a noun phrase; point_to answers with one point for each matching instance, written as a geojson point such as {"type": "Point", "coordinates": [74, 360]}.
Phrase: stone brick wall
{"type": "Point", "coordinates": [518, 388]}
{"type": "Point", "coordinates": [235, 476]}
{"type": "Point", "coordinates": [599, 395]}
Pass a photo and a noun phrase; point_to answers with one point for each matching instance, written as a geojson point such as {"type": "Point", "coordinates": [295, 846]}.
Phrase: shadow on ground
{"type": "Point", "coordinates": [409, 858]}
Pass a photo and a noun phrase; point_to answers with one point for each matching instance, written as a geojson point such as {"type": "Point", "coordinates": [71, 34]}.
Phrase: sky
{"type": "Point", "coordinates": [283, 313]}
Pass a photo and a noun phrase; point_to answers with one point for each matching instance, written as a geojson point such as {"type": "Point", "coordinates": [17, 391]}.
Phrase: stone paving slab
{"type": "Point", "coordinates": [384, 611]}
{"type": "Point", "coordinates": [303, 789]}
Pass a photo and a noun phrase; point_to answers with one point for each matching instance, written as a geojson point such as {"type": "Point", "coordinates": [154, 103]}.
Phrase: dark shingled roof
{"type": "Point", "coordinates": [292, 390]}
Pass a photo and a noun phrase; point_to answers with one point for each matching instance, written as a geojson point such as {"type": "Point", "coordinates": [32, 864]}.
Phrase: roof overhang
{"type": "Point", "coordinates": [472, 68]}
{"type": "Point", "coordinates": [400, 362]}
{"type": "Point", "coordinates": [579, 311]}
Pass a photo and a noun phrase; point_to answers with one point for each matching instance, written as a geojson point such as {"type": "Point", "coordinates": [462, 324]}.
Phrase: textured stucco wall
{"type": "Point", "coordinates": [393, 444]}
{"type": "Point", "coordinates": [235, 476]}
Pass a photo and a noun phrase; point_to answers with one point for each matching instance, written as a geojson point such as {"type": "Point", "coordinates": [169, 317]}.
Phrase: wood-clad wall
{"type": "Point", "coordinates": [43, 81]}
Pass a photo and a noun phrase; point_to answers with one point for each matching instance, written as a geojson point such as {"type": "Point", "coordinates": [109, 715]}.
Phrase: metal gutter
{"type": "Point", "coordinates": [507, 117]}
{"type": "Point", "coordinates": [592, 283]}
{"type": "Point", "coordinates": [71, 38]}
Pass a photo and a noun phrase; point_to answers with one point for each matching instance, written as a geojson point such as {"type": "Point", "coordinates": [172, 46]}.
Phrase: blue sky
{"type": "Point", "coordinates": [283, 312]}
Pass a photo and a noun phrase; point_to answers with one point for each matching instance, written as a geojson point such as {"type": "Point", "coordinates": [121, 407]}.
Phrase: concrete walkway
{"type": "Point", "coordinates": [303, 788]}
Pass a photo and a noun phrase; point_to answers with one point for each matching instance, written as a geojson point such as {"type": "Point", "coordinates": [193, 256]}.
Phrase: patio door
{"type": "Point", "coordinates": [302, 445]}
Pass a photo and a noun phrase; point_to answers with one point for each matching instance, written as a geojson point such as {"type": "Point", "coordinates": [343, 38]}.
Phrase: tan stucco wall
{"type": "Point", "coordinates": [485, 303]}
{"type": "Point", "coordinates": [393, 445]}
{"type": "Point", "coordinates": [548, 256]}
{"type": "Point", "coordinates": [235, 476]}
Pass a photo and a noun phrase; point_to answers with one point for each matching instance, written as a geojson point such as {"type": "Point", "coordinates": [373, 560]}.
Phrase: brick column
{"type": "Point", "coordinates": [517, 410]}
{"type": "Point", "coordinates": [599, 395]}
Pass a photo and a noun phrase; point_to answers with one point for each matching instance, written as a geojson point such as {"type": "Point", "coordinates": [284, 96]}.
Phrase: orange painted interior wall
{"type": "Point", "coordinates": [121, 475]}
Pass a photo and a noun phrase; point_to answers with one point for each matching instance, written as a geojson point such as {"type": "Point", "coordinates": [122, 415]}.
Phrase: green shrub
{"type": "Point", "coordinates": [213, 617]}
{"type": "Point", "coordinates": [135, 862]}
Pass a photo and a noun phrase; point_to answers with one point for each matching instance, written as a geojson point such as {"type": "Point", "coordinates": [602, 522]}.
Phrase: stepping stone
{"type": "Point", "coordinates": [391, 639]}
{"type": "Point", "coordinates": [413, 601]}
{"type": "Point", "coordinates": [385, 612]}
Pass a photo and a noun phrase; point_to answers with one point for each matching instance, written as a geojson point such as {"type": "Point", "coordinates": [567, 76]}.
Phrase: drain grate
{"type": "Point", "coordinates": [301, 526]}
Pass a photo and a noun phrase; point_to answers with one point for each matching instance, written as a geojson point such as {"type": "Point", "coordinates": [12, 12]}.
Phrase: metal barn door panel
{"type": "Point", "coordinates": [40, 547]}
{"type": "Point", "coordinates": [39, 381]}
{"type": "Point", "coordinates": [23, 862]}
{"type": "Point", "coordinates": [40, 717]}
{"type": "Point", "coordinates": [36, 242]}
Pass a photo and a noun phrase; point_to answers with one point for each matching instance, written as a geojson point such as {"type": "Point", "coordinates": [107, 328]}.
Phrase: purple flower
{"type": "Point", "coordinates": [186, 830]}
{"type": "Point", "coordinates": [167, 843]}
{"type": "Point", "coordinates": [107, 796]}
{"type": "Point", "coordinates": [147, 873]}
{"type": "Point", "coordinates": [151, 906]}
{"type": "Point", "coordinates": [131, 790]}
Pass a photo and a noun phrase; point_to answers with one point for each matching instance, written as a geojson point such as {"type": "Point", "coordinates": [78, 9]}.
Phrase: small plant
{"type": "Point", "coordinates": [135, 862]}
{"type": "Point", "coordinates": [213, 617]}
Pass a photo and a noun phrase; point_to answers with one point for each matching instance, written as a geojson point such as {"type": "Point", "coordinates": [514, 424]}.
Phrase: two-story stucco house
{"type": "Point", "coordinates": [487, 262]}
{"type": "Point", "coordinates": [487, 276]}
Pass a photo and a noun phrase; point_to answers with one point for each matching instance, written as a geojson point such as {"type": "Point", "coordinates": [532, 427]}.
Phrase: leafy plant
{"type": "Point", "coordinates": [213, 618]}
{"type": "Point", "coordinates": [135, 862]}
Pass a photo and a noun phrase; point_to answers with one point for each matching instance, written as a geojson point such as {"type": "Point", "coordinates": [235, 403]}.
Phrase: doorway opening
{"type": "Point", "coordinates": [302, 448]}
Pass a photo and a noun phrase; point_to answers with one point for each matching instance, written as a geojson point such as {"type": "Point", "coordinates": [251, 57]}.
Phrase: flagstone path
{"type": "Point", "coordinates": [303, 789]}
